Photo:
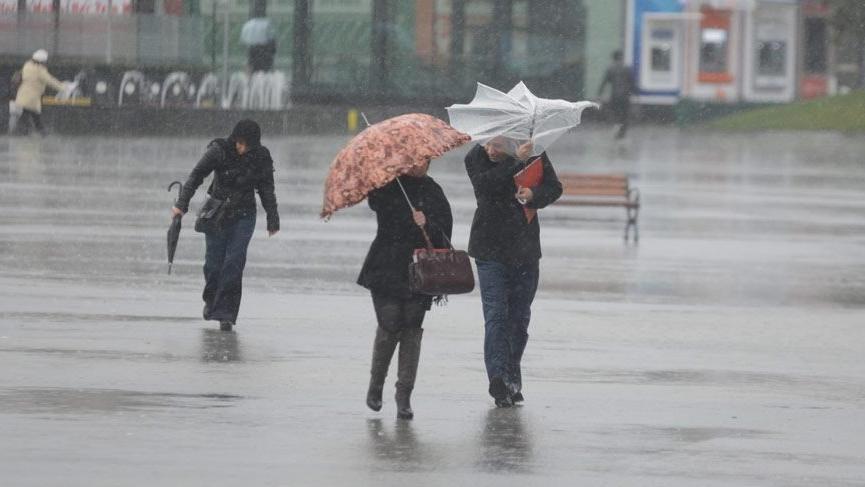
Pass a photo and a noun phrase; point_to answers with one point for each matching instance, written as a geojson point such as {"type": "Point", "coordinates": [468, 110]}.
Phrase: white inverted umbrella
{"type": "Point", "coordinates": [518, 115]}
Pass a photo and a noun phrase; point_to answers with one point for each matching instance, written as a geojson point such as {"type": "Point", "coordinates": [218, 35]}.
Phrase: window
{"type": "Point", "coordinates": [771, 58]}
{"type": "Point", "coordinates": [713, 51]}
{"type": "Point", "coordinates": [662, 50]}
{"type": "Point", "coordinates": [714, 61]}
{"type": "Point", "coordinates": [815, 45]}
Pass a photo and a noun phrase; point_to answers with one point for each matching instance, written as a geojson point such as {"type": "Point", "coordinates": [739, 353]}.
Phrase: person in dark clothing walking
{"type": "Point", "coordinates": [399, 312]}
{"type": "Point", "coordinates": [240, 166]}
{"type": "Point", "coordinates": [506, 247]}
{"type": "Point", "coordinates": [621, 81]}
{"type": "Point", "coordinates": [261, 56]}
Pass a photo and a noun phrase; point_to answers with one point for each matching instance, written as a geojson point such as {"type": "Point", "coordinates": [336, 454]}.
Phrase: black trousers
{"type": "Point", "coordinates": [35, 118]}
{"type": "Point", "coordinates": [621, 108]}
{"type": "Point", "coordinates": [399, 323]}
{"type": "Point", "coordinates": [394, 313]}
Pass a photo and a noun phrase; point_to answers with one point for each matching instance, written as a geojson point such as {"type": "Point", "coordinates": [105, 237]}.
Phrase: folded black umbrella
{"type": "Point", "coordinates": [174, 228]}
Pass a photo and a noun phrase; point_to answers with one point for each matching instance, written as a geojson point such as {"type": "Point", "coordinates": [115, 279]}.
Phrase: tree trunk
{"type": "Point", "coordinates": [860, 45]}
{"type": "Point", "coordinates": [458, 36]}
{"type": "Point", "coordinates": [503, 11]}
{"type": "Point", "coordinates": [301, 65]}
{"type": "Point", "coordinates": [257, 8]}
{"type": "Point", "coordinates": [55, 9]}
{"type": "Point", "coordinates": [378, 78]}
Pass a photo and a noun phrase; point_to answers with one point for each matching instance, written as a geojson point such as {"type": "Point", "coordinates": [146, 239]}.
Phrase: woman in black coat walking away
{"type": "Point", "coordinates": [399, 312]}
{"type": "Point", "coordinates": [240, 166]}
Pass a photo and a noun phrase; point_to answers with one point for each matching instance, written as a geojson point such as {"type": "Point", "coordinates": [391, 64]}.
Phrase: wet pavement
{"type": "Point", "coordinates": [724, 349]}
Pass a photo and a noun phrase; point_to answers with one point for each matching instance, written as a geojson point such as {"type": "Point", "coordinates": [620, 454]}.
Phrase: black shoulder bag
{"type": "Point", "coordinates": [212, 212]}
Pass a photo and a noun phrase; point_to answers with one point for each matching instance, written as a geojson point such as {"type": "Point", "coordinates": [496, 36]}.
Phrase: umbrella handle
{"type": "Point", "coordinates": [426, 238]}
{"type": "Point", "coordinates": [179, 188]}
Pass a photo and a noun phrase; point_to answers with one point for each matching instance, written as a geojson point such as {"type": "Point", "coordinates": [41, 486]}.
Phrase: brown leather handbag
{"type": "Point", "coordinates": [440, 272]}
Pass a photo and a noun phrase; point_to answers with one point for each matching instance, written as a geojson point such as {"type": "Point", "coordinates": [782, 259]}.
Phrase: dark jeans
{"type": "Point", "coordinates": [223, 269]}
{"type": "Point", "coordinates": [621, 108]}
{"type": "Point", "coordinates": [32, 117]}
{"type": "Point", "coordinates": [395, 313]}
{"type": "Point", "coordinates": [507, 293]}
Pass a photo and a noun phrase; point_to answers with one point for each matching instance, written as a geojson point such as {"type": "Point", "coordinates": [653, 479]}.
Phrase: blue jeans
{"type": "Point", "coordinates": [507, 293]}
{"type": "Point", "coordinates": [223, 269]}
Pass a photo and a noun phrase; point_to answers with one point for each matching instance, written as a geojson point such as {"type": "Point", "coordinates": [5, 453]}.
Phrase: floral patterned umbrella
{"type": "Point", "coordinates": [383, 152]}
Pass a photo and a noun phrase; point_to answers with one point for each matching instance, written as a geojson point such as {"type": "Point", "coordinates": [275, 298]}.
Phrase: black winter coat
{"type": "Point", "coordinates": [385, 270]}
{"type": "Point", "coordinates": [500, 232]}
{"type": "Point", "coordinates": [236, 178]}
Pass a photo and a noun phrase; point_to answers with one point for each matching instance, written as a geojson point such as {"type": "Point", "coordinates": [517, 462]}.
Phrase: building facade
{"type": "Point", "coordinates": [400, 51]}
{"type": "Point", "coordinates": [337, 49]}
{"type": "Point", "coordinates": [729, 51]}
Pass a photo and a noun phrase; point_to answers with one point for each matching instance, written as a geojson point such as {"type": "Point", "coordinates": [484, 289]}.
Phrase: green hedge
{"type": "Point", "coordinates": [845, 113]}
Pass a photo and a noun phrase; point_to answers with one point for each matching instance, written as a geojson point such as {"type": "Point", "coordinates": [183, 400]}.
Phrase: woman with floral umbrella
{"type": "Point", "coordinates": [387, 164]}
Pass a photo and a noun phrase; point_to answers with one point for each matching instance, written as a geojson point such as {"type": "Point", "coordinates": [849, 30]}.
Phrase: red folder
{"type": "Point", "coordinates": [530, 177]}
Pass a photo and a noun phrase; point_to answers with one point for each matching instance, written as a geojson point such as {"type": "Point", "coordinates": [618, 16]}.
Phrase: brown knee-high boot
{"type": "Point", "coordinates": [382, 350]}
{"type": "Point", "coordinates": [409, 356]}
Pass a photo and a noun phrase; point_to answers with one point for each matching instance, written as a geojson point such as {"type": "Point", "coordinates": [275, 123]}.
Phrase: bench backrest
{"type": "Point", "coordinates": [594, 184]}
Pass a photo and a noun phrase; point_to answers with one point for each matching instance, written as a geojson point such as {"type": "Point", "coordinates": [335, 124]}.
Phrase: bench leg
{"type": "Point", "coordinates": [633, 214]}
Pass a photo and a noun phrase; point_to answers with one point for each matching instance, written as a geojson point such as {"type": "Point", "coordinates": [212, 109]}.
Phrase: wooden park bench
{"type": "Point", "coordinates": [603, 190]}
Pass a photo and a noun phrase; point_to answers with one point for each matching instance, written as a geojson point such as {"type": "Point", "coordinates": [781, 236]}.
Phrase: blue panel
{"type": "Point", "coordinates": [642, 7]}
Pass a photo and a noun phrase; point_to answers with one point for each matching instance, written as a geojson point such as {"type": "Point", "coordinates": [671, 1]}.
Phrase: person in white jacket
{"type": "Point", "coordinates": [35, 78]}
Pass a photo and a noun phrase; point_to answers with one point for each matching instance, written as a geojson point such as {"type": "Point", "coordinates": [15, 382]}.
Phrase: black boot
{"type": "Point", "coordinates": [382, 351]}
{"type": "Point", "coordinates": [409, 356]}
{"type": "Point", "coordinates": [499, 390]}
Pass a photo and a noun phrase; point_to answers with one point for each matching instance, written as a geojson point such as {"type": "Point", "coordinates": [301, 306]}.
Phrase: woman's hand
{"type": "Point", "coordinates": [525, 195]}
{"type": "Point", "coordinates": [524, 151]}
{"type": "Point", "coordinates": [419, 218]}
{"type": "Point", "coordinates": [175, 211]}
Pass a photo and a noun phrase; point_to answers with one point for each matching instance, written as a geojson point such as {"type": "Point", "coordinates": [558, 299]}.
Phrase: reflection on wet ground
{"type": "Point", "coordinates": [219, 346]}
{"type": "Point", "coordinates": [398, 448]}
{"type": "Point", "coordinates": [98, 401]}
{"type": "Point", "coordinates": [737, 219]}
{"type": "Point", "coordinates": [699, 435]}
{"type": "Point", "coordinates": [724, 349]}
{"type": "Point", "coordinates": [506, 443]}
{"type": "Point", "coordinates": [36, 316]}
